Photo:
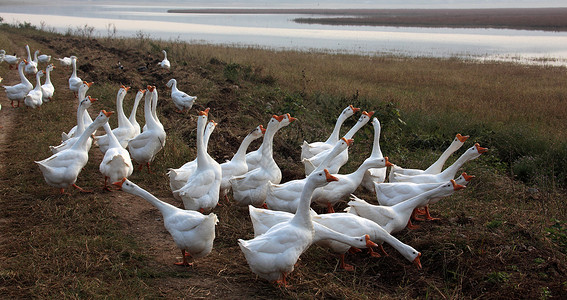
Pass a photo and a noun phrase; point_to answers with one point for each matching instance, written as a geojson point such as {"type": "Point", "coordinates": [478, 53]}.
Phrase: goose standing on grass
{"type": "Point", "coordinates": [44, 58]}
{"type": "Point", "coordinates": [12, 60]}
{"type": "Point", "coordinates": [33, 98]}
{"type": "Point", "coordinates": [449, 173]}
{"type": "Point", "coordinates": [313, 162]}
{"type": "Point", "coordinates": [437, 166]}
{"type": "Point", "coordinates": [273, 255]}
{"type": "Point", "coordinates": [285, 196]}
{"type": "Point", "coordinates": [132, 118]}
{"type": "Point", "coordinates": [373, 175]}
{"type": "Point", "coordinates": [124, 132]}
{"type": "Point", "coordinates": [191, 231]}
{"type": "Point", "coordinates": [251, 187]}
{"type": "Point", "coordinates": [201, 191]}
{"type": "Point", "coordinates": [312, 149]}
{"type": "Point", "coordinates": [116, 163]}
{"type": "Point", "coordinates": [395, 218]}
{"type": "Point", "coordinates": [61, 169]}
{"type": "Point", "coordinates": [31, 66]}
{"type": "Point", "coordinates": [74, 81]}
{"type": "Point", "coordinates": [178, 177]}
{"type": "Point", "coordinates": [144, 147]}
{"type": "Point", "coordinates": [47, 88]}
{"type": "Point", "coordinates": [153, 111]}
{"type": "Point", "coordinates": [87, 120]}
{"type": "Point", "coordinates": [80, 127]}
{"type": "Point", "coordinates": [348, 224]}
{"type": "Point", "coordinates": [253, 158]}
{"type": "Point", "coordinates": [19, 91]}
{"type": "Point", "coordinates": [164, 63]}
{"type": "Point", "coordinates": [65, 61]}
{"type": "Point", "coordinates": [237, 165]}
{"type": "Point", "coordinates": [338, 191]}
{"type": "Point", "coordinates": [181, 100]}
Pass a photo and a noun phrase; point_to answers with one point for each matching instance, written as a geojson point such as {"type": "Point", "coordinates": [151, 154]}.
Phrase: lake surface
{"type": "Point", "coordinates": [278, 31]}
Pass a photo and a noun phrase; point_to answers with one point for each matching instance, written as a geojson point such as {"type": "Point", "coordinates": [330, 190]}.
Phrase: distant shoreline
{"type": "Point", "coordinates": [548, 19]}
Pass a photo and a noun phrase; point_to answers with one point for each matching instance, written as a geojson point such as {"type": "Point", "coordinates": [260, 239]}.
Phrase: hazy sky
{"type": "Point", "coordinates": [323, 3]}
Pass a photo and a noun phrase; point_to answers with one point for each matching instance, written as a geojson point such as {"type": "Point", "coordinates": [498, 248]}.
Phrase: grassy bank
{"type": "Point", "coordinates": [504, 236]}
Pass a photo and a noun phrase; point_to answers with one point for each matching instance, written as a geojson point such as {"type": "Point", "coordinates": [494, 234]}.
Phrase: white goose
{"type": "Point", "coordinates": [374, 175]}
{"type": "Point", "coordinates": [338, 191]}
{"type": "Point", "coordinates": [80, 128]}
{"type": "Point", "coordinates": [87, 120]}
{"type": "Point", "coordinates": [251, 187]}
{"type": "Point", "coordinates": [253, 158]}
{"type": "Point", "coordinates": [312, 163]}
{"type": "Point", "coordinates": [273, 254]}
{"type": "Point", "coordinates": [312, 149]}
{"type": "Point", "coordinates": [74, 81]}
{"type": "Point", "coordinates": [44, 58]}
{"type": "Point", "coordinates": [19, 91]}
{"type": "Point", "coordinates": [65, 61]}
{"type": "Point", "coordinates": [153, 110]}
{"type": "Point", "coordinates": [116, 163]}
{"type": "Point", "coordinates": [178, 177]}
{"type": "Point", "coordinates": [181, 100]}
{"type": "Point", "coordinates": [449, 173]}
{"type": "Point", "coordinates": [237, 165]}
{"type": "Point", "coordinates": [125, 131]}
{"type": "Point", "coordinates": [33, 98]}
{"type": "Point", "coordinates": [395, 218]}
{"type": "Point", "coordinates": [191, 231]}
{"type": "Point", "coordinates": [12, 60]}
{"type": "Point", "coordinates": [285, 196]}
{"type": "Point", "coordinates": [47, 88]}
{"type": "Point", "coordinates": [348, 224]}
{"type": "Point", "coordinates": [164, 63]}
{"type": "Point", "coordinates": [31, 67]}
{"type": "Point", "coordinates": [437, 166]}
{"type": "Point", "coordinates": [392, 193]}
{"type": "Point", "coordinates": [201, 191]}
{"type": "Point", "coordinates": [61, 169]}
{"type": "Point", "coordinates": [132, 118]}
{"type": "Point", "coordinates": [144, 147]}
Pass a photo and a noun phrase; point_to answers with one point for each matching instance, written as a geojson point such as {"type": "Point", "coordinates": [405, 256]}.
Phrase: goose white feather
{"type": "Point", "coordinates": [31, 66]}
{"type": "Point", "coordinates": [19, 91]}
{"type": "Point", "coordinates": [74, 81]}
{"type": "Point", "coordinates": [47, 88]}
{"type": "Point", "coordinates": [125, 131]}
{"type": "Point", "coordinates": [191, 231]}
{"type": "Point", "coordinates": [374, 175]}
{"type": "Point", "coordinates": [165, 62]}
{"type": "Point", "coordinates": [68, 143]}
{"type": "Point", "coordinates": [309, 150]}
{"type": "Point", "coordinates": [181, 100]}
{"type": "Point", "coordinates": [33, 98]}
{"type": "Point", "coordinates": [116, 163]}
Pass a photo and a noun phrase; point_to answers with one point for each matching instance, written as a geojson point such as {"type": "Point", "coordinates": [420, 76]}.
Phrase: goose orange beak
{"type": "Point", "coordinates": [417, 262]}
{"type": "Point", "coordinates": [142, 91]}
{"type": "Point", "coordinates": [279, 118]}
{"type": "Point", "coordinates": [150, 88]}
{"type": "Point", "coordinates": [330, 177]}
{"type": "Point", "coordinates": [480, 149]}
{"type": "Point", "coordinates": [204, 112]}
{"type": "Point", "coordinates": [369, 243]}
{"type": "Point", "coordinates": [369, 114]}
{"type": "Point", "coordinates": [92, 99]}
{"type": "Point", "coordinates": [263, 129]}
{"type": "Point", "coordinates": [388, 164]}
{"type": "Point", "coordinates": [462, 138]}
{"type": "Point", "coordinates": [107, 113]}
{"type": "Point", "coordinates": [119, 183]}
{"type": "Point", "coordinates": [456, 186]}
{"type": "Point", "coordinates": [214, 123]}
{"type": "Point", "coordinates": [348, 141]}
{"type": "Point", "coordinates": [88, 83]}
{"type": "Point", "coordinates": [467, 177]}
{"type": "Point", "coordinates": [291, 119]}
{"type": "Point", "coordinates": [125, 87]}
{"type": "Point", "coordinates": [354, 109]}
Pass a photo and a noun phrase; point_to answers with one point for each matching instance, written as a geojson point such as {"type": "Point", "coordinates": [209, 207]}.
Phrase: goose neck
{"type": "Point", "coordinates": [163, 207]}
{"type": "Point", "coordinates": [132, 117]}
{"type": "Point", "coordinates": [151, 123]}
{"type": "Point", "coordinates": [334, 137]}
{"type": "Point", "coordinates": [81, 143]}
{"type": "Point", "coordinates": [376, 151]}
{"type": "Point", "coordinates": [122, 120]}
{"type": "Point", "coordinates": [302, 216]}
{"type": "Point", "coordinates": [201, 147]}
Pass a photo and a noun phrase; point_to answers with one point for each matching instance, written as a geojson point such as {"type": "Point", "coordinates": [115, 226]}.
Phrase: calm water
{"type": "Point", "coordinates": [280, 32]}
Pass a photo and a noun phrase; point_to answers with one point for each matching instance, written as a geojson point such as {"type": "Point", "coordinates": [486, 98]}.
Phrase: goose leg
{"type": "Point", "coordinates": [330, 208]}
{"type": "Point", "coordinates": [428, 216]}
{"type": "Point", "coordinates": [81, 189]}
{"type": "Point", "coordinates": [411, 226]}
{"type": "Point", "coordinates": [184, 262]}
{"type": "Point", "coordinates": [344, 265]}
{"type": "Point", "coordinates": [373, 253]}
{"type": "Point", "coordinates": [414, 216]}
{"type": "Point", "coordinates": [105, 187]}
{"type": "Point", "coordinates": [383, 251]}
{"type": "Point", "coordinates": [282, 282]}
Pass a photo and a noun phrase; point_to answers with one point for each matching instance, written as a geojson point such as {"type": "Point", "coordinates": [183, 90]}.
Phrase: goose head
{"type": "Point", "coordinates": [171, 82]}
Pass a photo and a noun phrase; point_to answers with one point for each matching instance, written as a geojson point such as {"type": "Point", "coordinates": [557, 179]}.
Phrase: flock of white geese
{"type": "Point", "coordinates": [284, 224]}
